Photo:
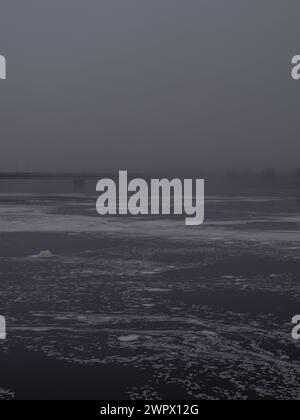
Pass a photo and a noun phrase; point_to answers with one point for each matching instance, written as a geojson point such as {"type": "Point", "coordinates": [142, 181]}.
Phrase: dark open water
{"type": "Point", "coordinates": [147, 307]}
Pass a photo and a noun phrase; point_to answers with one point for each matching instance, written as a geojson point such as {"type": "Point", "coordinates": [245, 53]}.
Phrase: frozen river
{"type": "Point", "coordinates": [131, 308]}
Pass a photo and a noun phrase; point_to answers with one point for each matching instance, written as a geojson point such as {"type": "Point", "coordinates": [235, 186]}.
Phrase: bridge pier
{"type": "Point", "coordinates": [79, 185]}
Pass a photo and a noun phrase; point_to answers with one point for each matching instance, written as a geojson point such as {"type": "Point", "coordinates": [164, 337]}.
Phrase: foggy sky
{"type": "Point", "coordinates": [141, 85]}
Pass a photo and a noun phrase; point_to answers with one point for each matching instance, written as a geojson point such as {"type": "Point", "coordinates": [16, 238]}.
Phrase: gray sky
{"type": "Point", "coordinates": [103, 85]}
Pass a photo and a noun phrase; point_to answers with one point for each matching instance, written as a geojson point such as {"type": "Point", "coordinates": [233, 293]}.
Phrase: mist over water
{"type": "Point", "coordinates": [149, 86]}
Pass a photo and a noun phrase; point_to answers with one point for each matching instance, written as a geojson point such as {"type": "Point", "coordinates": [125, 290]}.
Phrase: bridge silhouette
{"type": "Point", "coordinates": [47, 175]}
{"type": "Point", "coordinates": [78, 180]}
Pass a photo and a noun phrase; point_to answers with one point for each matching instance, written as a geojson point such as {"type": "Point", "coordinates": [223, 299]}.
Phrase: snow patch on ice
{"type": "Point", "coordinates": [43, 255]}
{"type": "Point", "coordinates": [128, 338]}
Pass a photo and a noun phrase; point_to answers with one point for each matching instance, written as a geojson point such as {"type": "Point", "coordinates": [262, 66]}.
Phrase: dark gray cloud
{"type": "Point", "coordinates": [143, 85]}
